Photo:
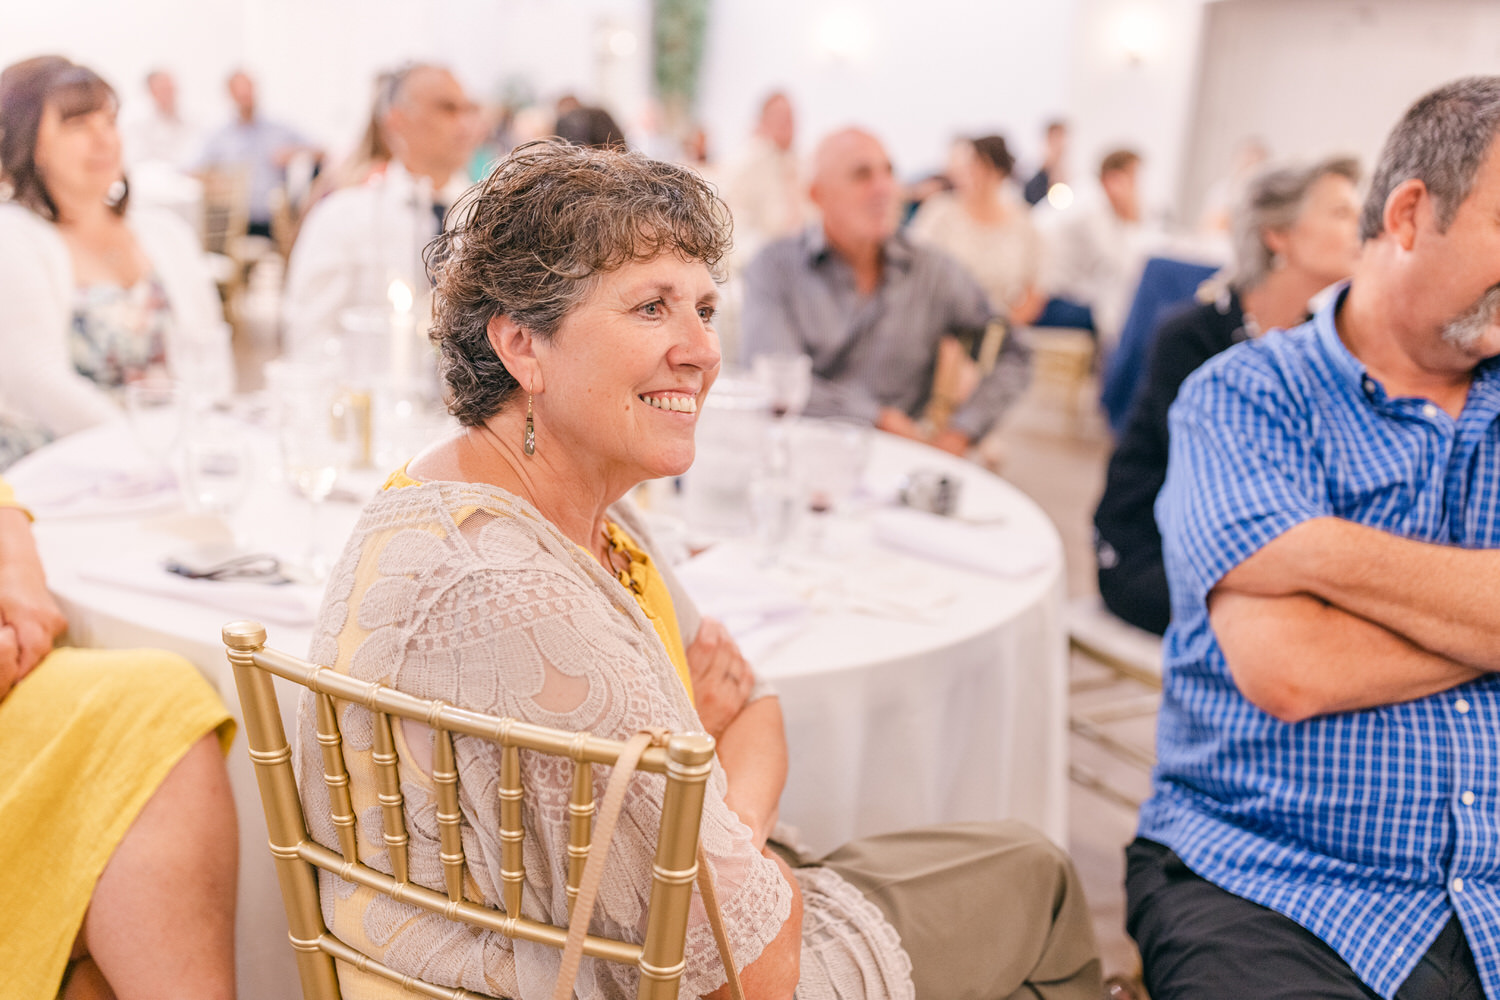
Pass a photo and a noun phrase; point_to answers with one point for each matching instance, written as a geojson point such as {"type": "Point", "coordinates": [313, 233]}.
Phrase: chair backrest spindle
{"type": "Point", "coordinates": [685, 761]}
{"type": "Point", "coordinates": [336, 777]}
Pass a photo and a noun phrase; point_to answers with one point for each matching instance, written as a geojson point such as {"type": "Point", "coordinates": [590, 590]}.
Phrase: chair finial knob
{"type": "Point", "coordinates": [244, 635]}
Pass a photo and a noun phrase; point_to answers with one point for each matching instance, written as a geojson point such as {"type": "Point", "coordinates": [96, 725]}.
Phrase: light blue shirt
{"type": "Point", "coordinates": [255, 145]}
{"type": "Point", "coordinates": [1371, 829]}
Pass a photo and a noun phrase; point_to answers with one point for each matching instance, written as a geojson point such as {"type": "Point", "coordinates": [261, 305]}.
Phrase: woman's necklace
{"type": "Point", "coordinates": [610, 555]}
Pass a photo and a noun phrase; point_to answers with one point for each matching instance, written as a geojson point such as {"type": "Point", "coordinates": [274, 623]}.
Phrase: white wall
{"type": "Point", "coordinates": [1315, 77]}
{"type": "Point", "coordinates": [1134, 70]}
{"type": "Point", "coordinates": [915, 73]}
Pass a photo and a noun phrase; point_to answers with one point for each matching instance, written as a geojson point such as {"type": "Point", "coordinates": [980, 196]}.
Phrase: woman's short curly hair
{"type": "Point", "coordinates": [531, 241]}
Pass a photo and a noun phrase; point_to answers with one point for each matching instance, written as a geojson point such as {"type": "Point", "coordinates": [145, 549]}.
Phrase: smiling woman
{"type": "Point", "coordinates": [93, 294]}
{"type": "Point", "coordinates": [498, 571]}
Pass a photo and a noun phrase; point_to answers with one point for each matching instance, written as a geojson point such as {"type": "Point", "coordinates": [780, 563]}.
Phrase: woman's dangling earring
{"type": "Point", "coordinates": [530, 428]}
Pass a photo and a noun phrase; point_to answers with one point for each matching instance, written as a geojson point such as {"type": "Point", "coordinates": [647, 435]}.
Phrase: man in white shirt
{"type": "Point", "coordinates": [766, 192]}
{"type": "Point", "coordinates": [1094, 253]}
{"type": "Point", "coordinates": [357, 242]}
{"type": "Point", "coordinates": [160, 135]}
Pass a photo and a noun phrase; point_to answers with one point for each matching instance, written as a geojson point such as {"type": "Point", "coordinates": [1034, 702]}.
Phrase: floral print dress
{"type": "Point", "coordinates": [118, 336]}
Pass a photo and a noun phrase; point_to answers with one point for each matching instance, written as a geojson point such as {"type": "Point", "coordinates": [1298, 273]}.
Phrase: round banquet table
{"type": "Point", "coordinates": [915, 690]}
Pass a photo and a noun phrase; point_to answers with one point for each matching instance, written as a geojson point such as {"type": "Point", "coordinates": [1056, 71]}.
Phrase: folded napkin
{"type": "Point", "coordinates": [65, 490]}
{"type": "Point", "coordinates": [280, 604]}
{"type": "Point", "coordinates": [760, 611]}
{"type": "Point", "coordinates": [997, 549]}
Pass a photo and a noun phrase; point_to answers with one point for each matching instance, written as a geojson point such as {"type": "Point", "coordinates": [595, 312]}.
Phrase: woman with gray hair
{"type": "Point", "coordinates": [1295, 232]}
{"type": "Point", "coordinates": [499, 571]}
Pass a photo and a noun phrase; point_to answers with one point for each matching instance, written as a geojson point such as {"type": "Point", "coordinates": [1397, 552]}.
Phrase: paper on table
{"type": "Point", "coordinates": [281, 604]}
{"type": "Point", "coordinates": [999, 550]}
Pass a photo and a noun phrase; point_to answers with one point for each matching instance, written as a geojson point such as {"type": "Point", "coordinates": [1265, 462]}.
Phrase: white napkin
{"type": "Point", "coordinates": [1000, 550]}
{"type": "Point", "coordinates": [759, 611]}
{"type": "Point", "coordinates": [65, 490]}
{"type": "Point", "coordinates": [280, 604]}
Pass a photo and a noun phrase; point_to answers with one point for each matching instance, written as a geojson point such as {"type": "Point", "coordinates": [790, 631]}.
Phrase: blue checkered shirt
{"type": "Point", "coordinates": [1371, 829]}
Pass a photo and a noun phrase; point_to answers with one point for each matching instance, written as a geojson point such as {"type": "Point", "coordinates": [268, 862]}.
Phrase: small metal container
{"type": "Point", "coordinates": [931, 490]}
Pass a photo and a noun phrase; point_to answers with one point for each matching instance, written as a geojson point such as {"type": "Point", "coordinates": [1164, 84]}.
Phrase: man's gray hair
{"type": "Point", "coordinates": [1441, 141]}
{"type": "Point", "coordinates": [1273, 200]}
{"type": "Point", "coordinates": [390, 86]}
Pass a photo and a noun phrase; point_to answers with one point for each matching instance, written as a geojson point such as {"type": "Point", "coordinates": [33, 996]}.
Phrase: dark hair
{"type": "Point", "coordinates": [992, 150]}
{"type": "Point", "coordinates": [1441, 141]}
{"type": "Point", "coordinates": [27, 89]}
{"type": "Point", "coordinates": [1118, 159]}
{"type": "Point", "coordinates": [531, 240]}
{"type": "Point", "coordinates": [588, 126]}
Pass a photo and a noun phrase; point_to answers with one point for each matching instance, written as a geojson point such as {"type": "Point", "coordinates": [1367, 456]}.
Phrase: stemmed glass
{"type": "Point", "coordinates": [787, 380]}
{"type": "Point", "coordinates": [155, 409]}
{"type": "Point", "coordinates": [217, 468]}
{"type": "Point", "coordinates": [317, 443]}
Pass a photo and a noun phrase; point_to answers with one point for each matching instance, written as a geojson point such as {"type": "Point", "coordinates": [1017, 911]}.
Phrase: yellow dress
{"type": "Point", "coordinates": [85, 739]}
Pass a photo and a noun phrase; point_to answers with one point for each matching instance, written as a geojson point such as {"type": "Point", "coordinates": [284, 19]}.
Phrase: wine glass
{"type": "Point", "coordinates": [317, 442]}
{"type": "Point", "coordinates": [788, 382]}
{"type": "Point", "coordinates": [154, 407]}
{"type": "Point", "coordinates": [217, 470]}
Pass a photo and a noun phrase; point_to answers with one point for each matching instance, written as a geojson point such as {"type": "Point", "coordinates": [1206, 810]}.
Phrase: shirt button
{"type": "Point", "coordinates": [1429, 411]}
{"type": "Point", "coordinates": [1369, 385]}
{"type": "Point", "coordinates": [1458, 885]}
{"type": "Point", "coordinates": [1461, 706]}
{"type": "Point", "coordinates": [1467, 798]}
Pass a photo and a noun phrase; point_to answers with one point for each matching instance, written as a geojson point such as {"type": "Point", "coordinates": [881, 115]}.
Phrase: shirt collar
{"type": "Point", "coordinates": [897, 252]}
{"type": "Point", "coordinates": [1325, 328]}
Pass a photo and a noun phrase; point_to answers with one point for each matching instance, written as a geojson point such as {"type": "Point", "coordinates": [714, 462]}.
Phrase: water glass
{"type": "Point", "coordinates": [787, 379]}
{"type": "Point", "coordinates": [155, 408]}
{"type": "Point", "coordinates": [217, 472]}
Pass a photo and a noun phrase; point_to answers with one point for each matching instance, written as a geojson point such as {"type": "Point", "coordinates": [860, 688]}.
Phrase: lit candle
{"type": "Point", "coordinates": [400, 295]}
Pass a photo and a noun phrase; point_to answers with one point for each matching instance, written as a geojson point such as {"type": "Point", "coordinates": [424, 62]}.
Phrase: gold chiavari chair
{"type": "Point", "coordinates": [684, 758]}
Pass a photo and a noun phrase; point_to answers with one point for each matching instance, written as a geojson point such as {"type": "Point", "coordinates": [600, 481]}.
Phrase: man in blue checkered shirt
{"type": "Point", "coordinates": [1325, 820]}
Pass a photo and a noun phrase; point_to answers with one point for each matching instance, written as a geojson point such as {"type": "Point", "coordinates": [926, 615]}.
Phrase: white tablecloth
{"type": "Point", "coordinates": [920, 691]}
{"type": "Point", "coordinates": [953, 711]}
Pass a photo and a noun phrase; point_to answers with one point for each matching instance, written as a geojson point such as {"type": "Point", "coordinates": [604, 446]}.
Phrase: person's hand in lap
{"type": "Point", "coordinates": [30, 619]}
{"type": "Point", "coordinates": [722, 679]}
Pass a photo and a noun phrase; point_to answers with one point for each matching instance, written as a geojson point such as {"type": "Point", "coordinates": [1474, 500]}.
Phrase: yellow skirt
{"type": "Point", "coordinates": [85, 740]}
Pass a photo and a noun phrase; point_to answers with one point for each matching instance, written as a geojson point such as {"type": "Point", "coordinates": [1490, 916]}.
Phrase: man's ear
{"type": "Point", "coordinates": [1404, 207]}
{"type": "Point", "coordinates": [515, 346]}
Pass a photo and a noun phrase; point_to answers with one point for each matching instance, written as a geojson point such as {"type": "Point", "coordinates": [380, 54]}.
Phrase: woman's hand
{"type": "Point", "coordinates": [29, 618]}
{"type": "Point", "coordinates": [722, 679]}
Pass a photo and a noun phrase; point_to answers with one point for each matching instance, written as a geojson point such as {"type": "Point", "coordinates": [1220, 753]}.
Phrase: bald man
{"type": "Point", "coordinates": [357, 241]}
{"type": "Point", "coordinates": [870, 307]}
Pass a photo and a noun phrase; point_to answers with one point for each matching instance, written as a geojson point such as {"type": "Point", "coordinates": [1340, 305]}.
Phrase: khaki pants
{"type": "Point", "coordinates": [986, 911]}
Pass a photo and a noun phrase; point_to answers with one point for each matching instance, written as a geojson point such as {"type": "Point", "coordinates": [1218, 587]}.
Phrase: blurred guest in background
{"type": "Point", "coordinates": [354, 243]}
{"type": "Point", "coordinates": [1054, 163]}
{"type": "Point", "coordinates": [765, 190]}
{"type": "Point", "coordinates": [870, 307]}
{"type": "Point", "coordinates": [258, 146]}
{"type": "Point", "coordinates": [161, 134]}
{"type": "Point", "coordinates": [92, 295]}
{"type": "Point", "coordinates": [1094, 252]}
{"type": "Point", "coordinates": [370, 154]}
{"type": "Point", "coordinates": [590, 126]}
{"type": "Point", "coordinates": [117, 868]}
{"type": "Point", "coordinates": [1296, 232]}
{"type": "Point", "coordinates": [1226, 192]}
{"type": "Point", "coordinates": [984, 229]}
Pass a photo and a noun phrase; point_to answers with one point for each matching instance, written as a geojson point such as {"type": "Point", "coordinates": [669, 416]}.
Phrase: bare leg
{"type": "Point", "coordinates": [86, 983]}
{"type": "Point", "coordinates": [161, 921]}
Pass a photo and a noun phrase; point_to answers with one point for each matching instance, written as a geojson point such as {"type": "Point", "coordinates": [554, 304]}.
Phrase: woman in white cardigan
{"type": "Point", "coordinates": [91, 296]}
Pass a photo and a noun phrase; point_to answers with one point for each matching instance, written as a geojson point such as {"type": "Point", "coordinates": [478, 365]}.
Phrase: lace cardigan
{"type": "Point", "coordinates": [466, 593]}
